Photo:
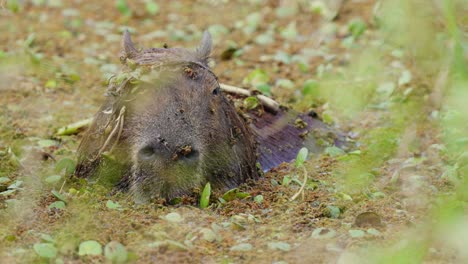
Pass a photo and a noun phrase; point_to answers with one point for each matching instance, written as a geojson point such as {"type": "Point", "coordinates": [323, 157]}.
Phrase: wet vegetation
{"type": "Point", "coordinates": [392, 75]}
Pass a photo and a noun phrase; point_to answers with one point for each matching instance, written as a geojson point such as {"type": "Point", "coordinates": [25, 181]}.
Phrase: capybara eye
{"type": "Point", "coordinates": [146, 153]}
{"type": "Point", "coordinates": [216, 90]}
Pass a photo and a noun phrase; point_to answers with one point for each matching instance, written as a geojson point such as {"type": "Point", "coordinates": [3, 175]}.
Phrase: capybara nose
{"type": "Point", "coordinates": [185, 153]}
{"type": "Point", "coordinates": [147, 153]}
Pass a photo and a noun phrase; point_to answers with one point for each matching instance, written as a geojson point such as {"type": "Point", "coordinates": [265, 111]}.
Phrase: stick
{"type": "Point", "coordinates": [301, 190]}
{"type": "Point", "coordinates": [267, 102]}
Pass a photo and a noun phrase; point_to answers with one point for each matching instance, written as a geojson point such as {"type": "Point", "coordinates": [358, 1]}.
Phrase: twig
{"type": "Point", "coordinates": [121, 123]}
{"type": "Point", "coordinates": [63, 184]}
{"type": "Point", "coordinates": [301, 190]}
{"type": "Point", "coordinates": [118, 127]}
{"type": "Point", "coordinates": [267, 102]}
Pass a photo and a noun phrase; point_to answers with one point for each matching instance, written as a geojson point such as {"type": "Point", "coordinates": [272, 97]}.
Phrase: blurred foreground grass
{"type": "Point", "coordinates": [401, 91]}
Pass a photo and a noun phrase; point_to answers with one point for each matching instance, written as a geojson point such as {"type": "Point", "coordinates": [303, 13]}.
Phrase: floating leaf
{"type": "Point", "coordinates": [66, 164]}
{"type": "Point", "coordinates": [310, 87]}
{"type": "Point", "coordinates": [174, 217]}
{"type": "Point", "coordinates": [256, 77]}
{"type": "Point", "coordinates": [323, 233]}
{"type": "Point", "coordinates": [115, 252]}
{"type": "Point", "coordinates": [47, 238]}
{"type": "Point", "coordinates": [301, 157]}
{"type": "Point", "coordinates": [152, 7]}
{"type": "Point", "coordinates": [334, 211]}
{"type": "Point", "coordinates": [374, 232]}
{"type": "Point", "coordinates": [74, 128]}
{"type": "Point", "coordinates": [334, 151]}
{"type": "Point", "coordinates": [356, 233]}
{"type": "Point", "coordinates": [283, 246]}
{"type": "Point", "coordinates": [90, 248]}
{"type": "Point", "coordinates": [258, 198]}
{"type": "Point", "coordinates": [45, 250]}
{"type": "Point", "coordinates": [45, 143]}
{"type": "Point", "coordinates": [57, 205]}
{"type": "Point", "coordinates": [357, 27]}
{"type": "Point", "coordinates": [242, 247]}
{"type": "Point", "coordinates": [264, 39]}
{"type": "Point", "coordinates": [51, 84]}
{"type": "Point", "coordinates": [285, 83]}
{"type": "Point", "coordinates": [205, 197]}
{"type": "Point", "coordinates": [16, 185]}
{"type": "Point", "coordinates": [113, 205]}
{"type": "Point", "coordinates": [264, 88]}
{"type": "Point", "coordinates": [53, 179]}
{"type": "Point", "coordinates": [251, 102]}
{"type": "Point", "coordinates": [59, 196]}
{"type": "Point", "coordinates": [405, 78]}
{"type": "Point", "coordinates": [4, 180]}
{"type": "Point", "coordinates": [7, 193]}
{"type": "Point", "coordinates": [208, 234]}
{"type": "Point", "coordinates": [123, 7]}
{"type": "Point", "coordinates": [234, 194]}
{"type": "Point", "coordinates": [286, 180]}
{"type": "Point", "coordinates": [289, 32]}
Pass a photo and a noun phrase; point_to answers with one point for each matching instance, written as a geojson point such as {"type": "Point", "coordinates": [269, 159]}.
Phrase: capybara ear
{"type": "Point", "coordinates": [204, 49]}
{"type": "Point", "coordinates": [128, 48]}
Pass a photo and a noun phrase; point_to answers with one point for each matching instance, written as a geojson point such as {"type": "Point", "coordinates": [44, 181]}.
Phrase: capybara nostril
{"type": "Point", "coordinates": [186, 154]}
{"type": "Point", "coordinates": [147, 153]}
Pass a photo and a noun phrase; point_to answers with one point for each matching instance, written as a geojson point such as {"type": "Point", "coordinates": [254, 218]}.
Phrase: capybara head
{"type": "Point", "coordinates": [167, 126]}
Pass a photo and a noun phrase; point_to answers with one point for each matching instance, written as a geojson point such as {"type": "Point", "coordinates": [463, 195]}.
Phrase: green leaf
{"type": "Point", "coordinates": [242, 247]}
{"type": "Point", "coordinates": [113, 205]}
{"type": "Point", "coordinates": [53, 179]}
{"type": "Point", "coordinates": [66, 164]}
{"type": "Point", "coordinates": [13, 5]}
{"type": "Point", "coordinates": [45, 143]}
{"type": "Point", "coordinates": [264, 88]}
{"type": "Point", "coordinates": [289, 32]}
{"type": "Point", "coordinates": [301, 157]}
{"type": "Point", "coordinates": [285, 83]}
{"type": "Point", "coordinates": [51, 84]}
{"type": "Point", "coordinates": [205, 196]}
{"type": "Point", "coordinates": [152, 7]}
{"type": "Point", "coordinates": [310, 87]}
{"type": "Point", "coordinates": [47, 238]}
{"type": "Point", "coordinates": [74, 128]}
{"type": "Point", "coordinates": [356, 233]}
{"type": "Point", "coordinates": [115, 252]}
{"type": "Point", "coordinates": [45, 250]}
{"type": "Point", "coordinates": [258, 199]}
{"type": "Point", "coordinates": [90, 248]}
{"type": "Point", "coordinates": [16, 185]}
{"type": "Point", "coordinates": [323, 233]}
{"type": "Point", "coordinates": [357, 27]}
{"type": "Point", "coordinates": [405, 78]}
{"type": "Point", "coordinates": [234, 194]}
{"type": "Point", "coordinates": [123, 7]}
{"type": "Point", "coordinates": [4, 180]}
{"type": "Point", "coordinates": [7, 193]}
{"type": "Point", "coordinates": [256, 77]}
{"type": "Point", "coordinates": [334, 151]}
{"type": "Point", "coordinates": [174, 217]}
{"type": "Point", "coordinates": [57, 205]}
{"type": "Point", "coordinates": [59, 196]}
{"type": "Point", "coordinates": [286, 180]}
{"type": "Point", "coordinates": [208, 234]}
{"type": "Point", "coordinates": [374, 232]}
{"type": "Point", "coordinates": [283, 246]}
{"type": "Point", "coordinates": [334, 211]}
{"type": "Point", "coordinates": [251, 102]}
